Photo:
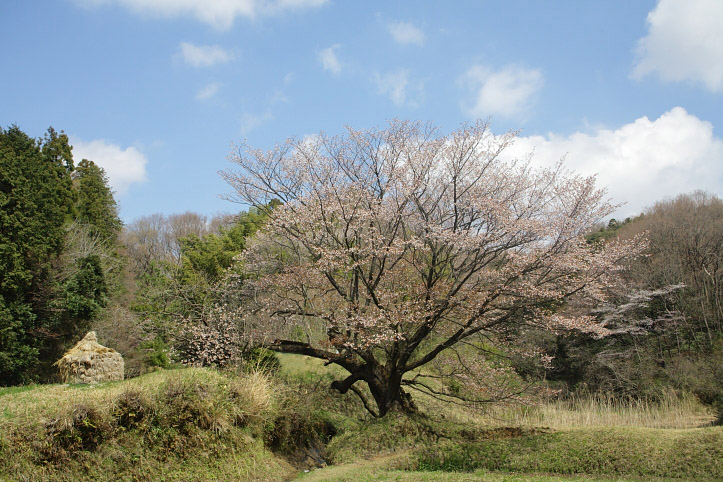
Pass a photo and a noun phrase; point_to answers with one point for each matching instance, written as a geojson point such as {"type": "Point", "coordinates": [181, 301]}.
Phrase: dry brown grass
{"type": "Point", "coordinates": [672, 412]}
{"type": "Point", "coordinates": [256, 399]}
{"type": "Point", "coordinates": [593, 410]}
{"type": "Point", "coordinates": [90, 362]}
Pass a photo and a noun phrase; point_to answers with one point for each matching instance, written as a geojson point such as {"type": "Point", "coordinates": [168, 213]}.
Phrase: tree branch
{"type": "Point", "coordinates": [301, 348]}
{"type": "Point", "coordinates": [364, 401]}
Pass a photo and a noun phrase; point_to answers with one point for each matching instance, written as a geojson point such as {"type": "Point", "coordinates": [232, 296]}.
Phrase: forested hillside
{"type": "Point", "coordinates": [667, 329]}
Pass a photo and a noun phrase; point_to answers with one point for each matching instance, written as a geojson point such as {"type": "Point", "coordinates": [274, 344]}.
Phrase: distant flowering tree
{"type": "Point", "coordinates": [215, 335]}
{"type": "Point", "coordinates": [217, 342]}
{"type": "Point", "coordinates": [400, 245]}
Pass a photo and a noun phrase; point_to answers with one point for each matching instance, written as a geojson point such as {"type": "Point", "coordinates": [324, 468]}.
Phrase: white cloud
{"type": "Point", "coordinates": [207, 92]}
{"type": "Point", "coordinates": [220, 14]}
{"type": "Point", "coordinates": [641, 162]}
{"type": "Point", "coordinates": [684, 43]}
{"type": "Point", "coordinates": [399, 88]}
{"type": "Point", "coordinates": [123, 166]}
{"type": "Point", "coordinates": [204, 55]}
{"type": "Point", "coordinates": [405, 33]}
{"type": "Point", "coordinates": [329, 60]}
{"type": "Point", "coordinates": [251, 121]}
{"type": "Point", "coordinates": [508, 92]}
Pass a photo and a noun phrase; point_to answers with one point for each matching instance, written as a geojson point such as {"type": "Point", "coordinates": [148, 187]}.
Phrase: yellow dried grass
{"type": "Point", "coordinates": [89, 362]}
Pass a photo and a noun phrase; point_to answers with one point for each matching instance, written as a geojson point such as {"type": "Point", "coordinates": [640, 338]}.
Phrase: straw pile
{"type": "Point", "coordinates": [90, 362]}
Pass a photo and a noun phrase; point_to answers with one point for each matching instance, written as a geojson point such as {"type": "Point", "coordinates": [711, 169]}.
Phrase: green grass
{"type": "Point", "coordinates": [199, 424]}
{"type": "Point", "coordinates": [433, 445]}
{"type": "Point", "coordinates": [593, 436]}
{"type": "Point", "coordinates": [685, 454]}
{"type": "Point", "coordinates": [673, 410]}
{"type": "Point", "coordinates": [305, 368]}
{"type": "Point", "coordinates": [11, 390]}
{"type": "Point", "coordinates": [129, 459]}
{"type": "Point", "coordinates": [367, 473]}
{"type": "Point", "coordinates": [174, 425]}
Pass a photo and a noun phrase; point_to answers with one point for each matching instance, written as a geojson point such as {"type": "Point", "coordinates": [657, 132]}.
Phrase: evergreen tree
{"type": "Point", "coordinates": [95, 204]}
{"type": "Point", "coordinates": [36, 200]}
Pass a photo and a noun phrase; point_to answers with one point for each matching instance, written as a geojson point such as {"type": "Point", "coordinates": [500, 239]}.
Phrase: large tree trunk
{"type": "Point", "coordinates": [384, 381]}
{"type": "Point", "coordinates": [385, 385]}
{"type": "Point", "coordinates": [392, 398]}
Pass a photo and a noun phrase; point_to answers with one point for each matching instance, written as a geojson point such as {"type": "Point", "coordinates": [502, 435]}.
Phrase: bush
{"type": "Point", "coordinates": [253, 398]}
{"type": "Point", "coordinates": [131, 409]}
{"type": "Point", "coordinates": [300, 431]}
{"type": "Point", "coordinates": [262, 359]}
{"type": "Point", "coordinates": [701, 375]}
{"type": "Point", "coordinates": [156, 353]}
{"type": "Point", "coordinates": [84, 428]}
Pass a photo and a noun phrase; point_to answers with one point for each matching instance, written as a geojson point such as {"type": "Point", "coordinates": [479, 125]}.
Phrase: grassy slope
{"type": "Point", "coordinates": [685, 454]}
{"type": "Point", "coordinates": [451, 441]}
{"type": "Point", "coordinates": [180, 425]}
{"type": "Point", "coordinates": [371, 472]}
{"type": "Point", "coordinates": [428, 445]}
{"type": "Point", "coordinates": [194, 425]}
{"type": "Point", "coordinates": [363, 474]}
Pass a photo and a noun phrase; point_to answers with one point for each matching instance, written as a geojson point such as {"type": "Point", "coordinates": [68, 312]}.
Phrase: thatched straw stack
{"type": "Point", "coordinates": [90, 362]}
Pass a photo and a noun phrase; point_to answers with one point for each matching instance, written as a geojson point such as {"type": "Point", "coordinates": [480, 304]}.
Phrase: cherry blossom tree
{"type": "Point", "coordinates": [393, 247]}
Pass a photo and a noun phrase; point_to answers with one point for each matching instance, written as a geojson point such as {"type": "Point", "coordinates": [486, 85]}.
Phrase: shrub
{"type": "Point", "coordinates": [702, 375]}
{"type": "Point", "coordinates": [187, 404]}
{"type": "Point", "coordinates": [262, 359]}
{"type": "Point", "coordinates": [131, 409]}
{"type": "Point", "coordinates": [300, 431]}
{"type": "Point", "coordinates": [252, 396]}
{"type": "Point", "coordinates": [84, 428]}
{"type": "Point", "coordinates": [156, 353]}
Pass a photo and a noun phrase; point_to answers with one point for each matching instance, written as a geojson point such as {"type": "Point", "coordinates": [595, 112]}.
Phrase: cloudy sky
{"type": "Point", "coordinates": [156, 91]}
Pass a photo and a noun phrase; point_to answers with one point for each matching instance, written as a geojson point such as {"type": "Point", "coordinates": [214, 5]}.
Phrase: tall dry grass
{"type": "Point", "coordinates": [672, 411]}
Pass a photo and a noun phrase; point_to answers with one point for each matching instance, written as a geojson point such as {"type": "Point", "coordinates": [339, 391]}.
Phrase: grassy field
{"type": "Point", "coordinates": [590, 438]}
{"type": "Point", "coordinates": [425, 445]}
{"type": "Point", "coordinates": [203, 425]}
{"type": "Point", "coordinates": [372, 471]}
{"type": "Point", "coordinates": [364, 474]}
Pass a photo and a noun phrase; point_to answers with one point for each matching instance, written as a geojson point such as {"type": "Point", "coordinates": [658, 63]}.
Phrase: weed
{"type": "Point", "coordinates": [84, 428]}
{"type": "Point", "coordinates": [263, 360]}
{"type": "Point", "coordinates": [131, 409]}
{"type": "Point", "coordinates": [252, 398]}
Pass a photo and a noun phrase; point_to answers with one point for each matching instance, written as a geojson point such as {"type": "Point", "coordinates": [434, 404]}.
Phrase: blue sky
{"type": "Point", "coordinates": [156, 91]}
